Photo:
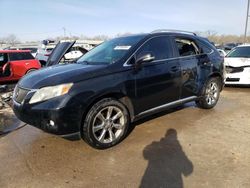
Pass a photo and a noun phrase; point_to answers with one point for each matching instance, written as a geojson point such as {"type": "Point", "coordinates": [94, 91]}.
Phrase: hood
{"type": "Point", "coordinates": [58, 52]}
{"type": "Point", "coordinates": [236, 62]}
{"type": "Point", "coordinates": [59, 74]}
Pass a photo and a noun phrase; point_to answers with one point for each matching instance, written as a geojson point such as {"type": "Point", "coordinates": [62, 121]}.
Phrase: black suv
{"type": "Point", "coordinates": [117, 83]}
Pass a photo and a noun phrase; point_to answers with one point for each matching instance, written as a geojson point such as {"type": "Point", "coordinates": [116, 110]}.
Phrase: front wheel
{"type": "Point", "coordinates": [106, 124]}
{"type": "Point", "coordinates": [210, 94]}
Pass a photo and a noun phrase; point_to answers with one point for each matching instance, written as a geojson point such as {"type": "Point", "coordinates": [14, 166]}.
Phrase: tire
{"type": "Point", "coordinates": [30, 70]}
{"type": "Point", "coordinates": [210, 93]}
{"type": "Point", "coordinates": [106, 124]}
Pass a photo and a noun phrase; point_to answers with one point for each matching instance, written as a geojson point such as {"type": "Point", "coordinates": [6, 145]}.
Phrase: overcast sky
{"type": "Point", "coordinates": [39, 19]}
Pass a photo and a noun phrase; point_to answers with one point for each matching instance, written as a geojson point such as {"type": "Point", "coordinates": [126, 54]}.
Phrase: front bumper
{"type": "Point", "coordinates": [51, 116]}
{"type": "Point", "coordinates": [238, 78]}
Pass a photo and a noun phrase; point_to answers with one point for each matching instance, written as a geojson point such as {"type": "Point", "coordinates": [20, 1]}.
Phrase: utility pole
{"type": "Point", "coordinates": [64, 32]}
{"type": "Point", "coordinates": [245, 36]}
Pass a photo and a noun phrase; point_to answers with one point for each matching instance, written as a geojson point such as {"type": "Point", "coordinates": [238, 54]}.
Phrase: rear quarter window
{"type": "Point", "coordinates": [20, 56]}
{"type": "Point", "coordinates": [204, 48]}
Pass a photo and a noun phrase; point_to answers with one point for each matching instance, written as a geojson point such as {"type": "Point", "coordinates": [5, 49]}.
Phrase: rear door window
{"type": "Point", "coordinates": [160, 47]}
{"type": "Point", "coordinates": [186, 47]}
{"type": "Point", "coordinates": [20, 56]}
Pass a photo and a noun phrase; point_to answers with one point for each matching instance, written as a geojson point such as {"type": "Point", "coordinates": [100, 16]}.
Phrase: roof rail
{"type": "Point", "coordinates": [172, 30]}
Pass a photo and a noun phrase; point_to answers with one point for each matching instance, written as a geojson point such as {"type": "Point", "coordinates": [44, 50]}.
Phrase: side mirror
{"type": "Point", "coordinates": [145, 58]}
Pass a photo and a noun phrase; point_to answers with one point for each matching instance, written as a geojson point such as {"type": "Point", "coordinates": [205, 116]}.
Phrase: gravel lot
{"type": "Point", "coordinates": [185, 147]}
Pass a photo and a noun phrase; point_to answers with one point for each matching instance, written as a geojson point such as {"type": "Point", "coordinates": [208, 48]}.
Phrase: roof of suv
{"type": "Point", "coordinates": [13, 51]}
{"type": "Point", "coordinates": [162, 31]}
{"type": "Point", "coordinates": [173, 31]}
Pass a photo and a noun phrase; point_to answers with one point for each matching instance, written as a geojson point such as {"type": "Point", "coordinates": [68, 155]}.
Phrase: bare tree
{"type": "Point", "coordinates": [11, 39]}
{"type": "Point", "coordinates": [221, 38]}
{"type": "Point", "coordinates": [1, 41]}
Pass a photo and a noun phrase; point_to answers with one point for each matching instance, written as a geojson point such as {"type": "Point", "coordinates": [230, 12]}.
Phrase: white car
{"type": "Point", "coordinates": [75, 52]}
{"type": "Point", "coordinates": [237, 63]}
{"type": "Point", "coordinates": [43, 54]}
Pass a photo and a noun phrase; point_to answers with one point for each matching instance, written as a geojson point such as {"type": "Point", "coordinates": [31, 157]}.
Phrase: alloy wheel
{"type": "Point", "coordinates": [108, 124]}
{"type": "Point", "coordinates": [212, 93]}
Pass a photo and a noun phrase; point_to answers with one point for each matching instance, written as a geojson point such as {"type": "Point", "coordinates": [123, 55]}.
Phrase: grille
{"type": "Point", "coordinates": [20, 94]}
{"type": "Point", "coordinates": [230, 69]}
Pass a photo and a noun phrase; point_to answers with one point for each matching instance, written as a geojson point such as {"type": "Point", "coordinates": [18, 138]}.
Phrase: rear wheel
{"type": "Point", "coordinates": [106, 124]}
{"type": "Point", "coordinates": [210, 94]}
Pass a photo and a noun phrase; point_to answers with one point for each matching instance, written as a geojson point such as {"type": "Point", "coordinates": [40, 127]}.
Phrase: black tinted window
{"type": "Point", "coordinates": [186, 47]}
{"type": "Point", "coordinates": [159, 47]}
{"type": "Point", "coordinates": [20, 56]}
{"type": "Point", "coordinates": [243, 51]}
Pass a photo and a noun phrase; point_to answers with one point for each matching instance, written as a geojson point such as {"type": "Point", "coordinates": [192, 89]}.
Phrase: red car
{"type": "Point", "coordinates": [16, 63]}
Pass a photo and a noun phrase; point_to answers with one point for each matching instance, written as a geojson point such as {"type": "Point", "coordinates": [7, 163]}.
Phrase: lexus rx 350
{"type": "Point", "coordinates": [118, 82]}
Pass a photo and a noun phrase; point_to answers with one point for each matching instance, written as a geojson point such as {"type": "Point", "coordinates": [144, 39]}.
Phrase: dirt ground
{"type": "Point", "coordinates": [186, 147]}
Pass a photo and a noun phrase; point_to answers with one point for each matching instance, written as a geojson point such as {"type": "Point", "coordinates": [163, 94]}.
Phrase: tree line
{"type": "Point", "coordinates": [213, 36]}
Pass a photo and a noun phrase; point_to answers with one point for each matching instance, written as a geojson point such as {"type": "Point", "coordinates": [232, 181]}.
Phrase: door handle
{"type": "Point", "coordinates": [27, 63]}
{"type": "Point", "coordinates": [174, 69]}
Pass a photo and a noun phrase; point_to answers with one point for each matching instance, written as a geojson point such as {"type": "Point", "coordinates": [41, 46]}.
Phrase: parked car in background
{"type": "Point", "coordinates": [119, 82]}
{"type": "Point", "coordinates": [33, 50]}
{"type": "Point", "coordinates": [16, 63]}
{"type": "Point", "coordinates": [222, 52]}
{"type": "Point", "coordinates": [237, 64]}
{"type": "Point", "coordinates": [43, 54]}
{"type": "Point", "coordinates": [229, 46]}
{"type": "Point", "coordinates": [70, 55]}
{"type": "Point", "coordinates": [75, 52]}
{"type": "Point", "coordinates": [44, 50]}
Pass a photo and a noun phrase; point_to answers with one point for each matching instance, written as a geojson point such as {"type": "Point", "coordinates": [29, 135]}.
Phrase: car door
{"type": "Point", "coordinates": [20, 63]}
{"type": "Point", "coordinates": [157, 82]}
{"type": "Point", "coordinates": [187, 51]}
{"type": "Point", "coordinates": [206, 61]}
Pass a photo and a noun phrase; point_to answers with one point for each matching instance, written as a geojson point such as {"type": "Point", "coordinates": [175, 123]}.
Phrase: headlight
{"type": "Point", "coordinates": [46, 93]}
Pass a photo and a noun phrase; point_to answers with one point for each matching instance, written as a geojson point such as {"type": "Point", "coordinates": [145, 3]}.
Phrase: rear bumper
{"type": "Point", "coordinates": [60, 121]}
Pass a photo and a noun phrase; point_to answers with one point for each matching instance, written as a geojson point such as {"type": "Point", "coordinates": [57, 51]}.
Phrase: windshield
{"type": "Point", "coordinates": [240, 52]}
{"type": "Point", "coordinates": [111, 51]}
